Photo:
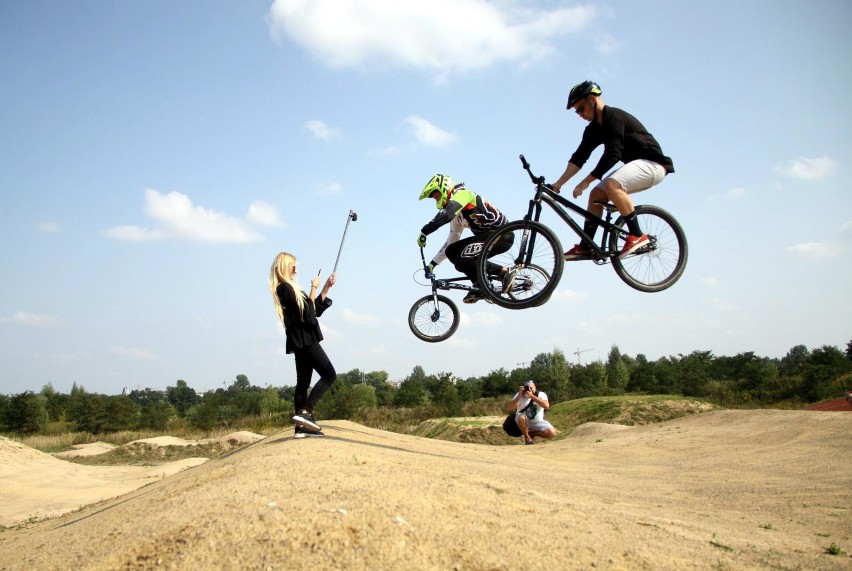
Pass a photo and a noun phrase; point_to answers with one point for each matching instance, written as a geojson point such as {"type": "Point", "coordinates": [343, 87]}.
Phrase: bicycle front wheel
{"type": "Point", "coordinates": [658, 265]}
{"type": "Point", "coordinates": [433, 322]}
{"type": "Point", "coordinates": [535, 255]}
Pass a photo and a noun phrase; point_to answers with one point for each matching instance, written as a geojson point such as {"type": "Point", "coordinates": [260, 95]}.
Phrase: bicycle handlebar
{"type": "Point", "coordinates": [536, 179]}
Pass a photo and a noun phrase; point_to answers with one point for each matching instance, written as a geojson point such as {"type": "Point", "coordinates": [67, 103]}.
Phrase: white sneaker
{"type": "Point", "coordinates": [306, 420]}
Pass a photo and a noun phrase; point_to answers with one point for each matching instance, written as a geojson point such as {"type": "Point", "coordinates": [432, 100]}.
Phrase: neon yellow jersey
{"type": "Point", "coordinates": [481, 215]}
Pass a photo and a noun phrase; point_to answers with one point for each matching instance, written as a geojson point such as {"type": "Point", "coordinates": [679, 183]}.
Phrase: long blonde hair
{"type": "Point", "coordinates": [280, 273]}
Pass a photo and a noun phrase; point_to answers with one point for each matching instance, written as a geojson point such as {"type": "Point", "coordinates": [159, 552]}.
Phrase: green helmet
{"type": "Point", "coordinates": [581, 91]}
{"type": "Point", "coordinates": [443, 184]}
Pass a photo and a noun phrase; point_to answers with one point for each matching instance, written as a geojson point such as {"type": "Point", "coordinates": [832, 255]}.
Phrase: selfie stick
{"type": "Point", "coordinates": [351, 217]}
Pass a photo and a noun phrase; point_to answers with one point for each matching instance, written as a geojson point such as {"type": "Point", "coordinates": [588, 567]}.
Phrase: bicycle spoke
{"type": "Point", "coordinates": [661, 263]}
{"type": "Point", "coordinates": [433, 322]}
{"type": "Point", "coordinates": [534, 253]}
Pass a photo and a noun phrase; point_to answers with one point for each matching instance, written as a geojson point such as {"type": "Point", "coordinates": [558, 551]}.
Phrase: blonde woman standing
{"type": "Point", "coordinates": [299, 311]}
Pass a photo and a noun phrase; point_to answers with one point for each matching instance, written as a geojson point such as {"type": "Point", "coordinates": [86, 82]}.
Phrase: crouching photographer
{"type": "Point", "coordinates": [529, 405]}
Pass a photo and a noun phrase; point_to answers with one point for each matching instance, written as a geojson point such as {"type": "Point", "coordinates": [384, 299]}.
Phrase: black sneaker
{"type": "Point", "coordinates": [306, 420]}
{"type": "Point", "coordinates": [472, 296]}
{"type": "Point", "coordinates": [313, 434]}
{"type": "Point", "coordinates": [299, 432]}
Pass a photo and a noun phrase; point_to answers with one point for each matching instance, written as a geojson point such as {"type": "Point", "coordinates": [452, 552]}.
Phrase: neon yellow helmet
{"type": "Point", "coordinates": [441, 183]}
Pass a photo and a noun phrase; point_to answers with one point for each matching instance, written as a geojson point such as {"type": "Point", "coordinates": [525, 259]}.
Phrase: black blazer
{"type": "Point", "coordinates": [302, 331]}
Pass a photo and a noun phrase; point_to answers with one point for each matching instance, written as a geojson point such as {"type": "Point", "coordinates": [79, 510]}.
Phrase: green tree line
{"type": "Point", "coordinates": [802, 376]}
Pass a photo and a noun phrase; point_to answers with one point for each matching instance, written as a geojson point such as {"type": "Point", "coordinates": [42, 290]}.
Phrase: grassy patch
{"type": "Point", "coordinates": [565, 416]}
{"type": "Point", "coordinates": [630, 410]}
{"type": "Point", "coordinates": [715, 543]}
{"type": "Point", "coordinates": [489, 430]}
{"type": "Point", "coordinates": [141, 454]}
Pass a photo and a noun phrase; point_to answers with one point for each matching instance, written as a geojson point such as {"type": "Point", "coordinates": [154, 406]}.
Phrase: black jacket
{"type": "Point", "coordinates": [624, 139]}
{"type": "Point", "coordinates": [302, 331]}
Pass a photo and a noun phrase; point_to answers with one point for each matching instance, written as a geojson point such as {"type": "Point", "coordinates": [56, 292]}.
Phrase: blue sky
{"type": "Point", "coordinates": [156, 155]}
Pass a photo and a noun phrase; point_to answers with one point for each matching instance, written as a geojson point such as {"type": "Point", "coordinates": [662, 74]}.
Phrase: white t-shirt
{"type": "Point", "coordinates": [534, 412]}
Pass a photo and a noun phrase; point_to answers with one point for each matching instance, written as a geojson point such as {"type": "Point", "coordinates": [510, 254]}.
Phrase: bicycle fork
{"type": "Point", "coordinates": [436, 313]}
{"type": "Point", "coordinates": [525, 253]}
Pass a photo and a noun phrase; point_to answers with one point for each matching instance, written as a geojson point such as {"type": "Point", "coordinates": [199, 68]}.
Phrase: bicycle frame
{"type": "Point", "coordinates": [450, 283]}
{"type": "Point", "coordinates": [446, 283]}
{"type": "Point", "coordinates": [544, 194]}
{"type": "Point", "coordinates": [537, 253]}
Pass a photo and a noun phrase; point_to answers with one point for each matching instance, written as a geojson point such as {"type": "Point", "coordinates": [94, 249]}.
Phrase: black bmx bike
{"type": "Point", "coordinates": [435, 317]}
{"type": "Point", "coordinates": [652, 268]}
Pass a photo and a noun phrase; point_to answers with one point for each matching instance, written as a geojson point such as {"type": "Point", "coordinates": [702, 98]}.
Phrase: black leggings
{"type": "Point", "coordinates": [308, 360]}
{"type": "Point", "coordinates": [465, 253]}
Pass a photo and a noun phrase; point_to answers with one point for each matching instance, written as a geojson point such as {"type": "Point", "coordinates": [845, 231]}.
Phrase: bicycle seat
{"type": "Point", "coordinates": [609, 206]}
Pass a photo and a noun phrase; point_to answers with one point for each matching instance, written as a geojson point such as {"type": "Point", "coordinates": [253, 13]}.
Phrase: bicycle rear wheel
{"type": "Point", "coordinates": [433, 322]}
{"type": "Point", "coordinates": [528, 281]}
{"type": "Point", "coordinates": [535, 254]}
{"type": "Point", "coordinates": [660, 264]}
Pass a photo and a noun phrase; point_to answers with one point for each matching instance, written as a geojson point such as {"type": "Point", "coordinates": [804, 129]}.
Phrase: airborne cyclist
{"type": "Point", "coordinates": [625, 140]}
{"type": "Point", "coordinates": [463, 208]}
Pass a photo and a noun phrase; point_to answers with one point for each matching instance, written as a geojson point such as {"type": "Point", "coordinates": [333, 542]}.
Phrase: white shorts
{"type": "Point", "coordinates": [637, 175]}
{"type": "Point", "coordinates": [536, 425]}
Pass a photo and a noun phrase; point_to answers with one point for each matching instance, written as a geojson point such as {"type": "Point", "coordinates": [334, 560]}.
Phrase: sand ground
{"type": "Point", "coordinates": [719, 490]}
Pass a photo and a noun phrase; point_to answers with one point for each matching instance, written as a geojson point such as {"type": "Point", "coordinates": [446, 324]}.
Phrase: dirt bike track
{"type": "Point", "coordinates": [728, 489]}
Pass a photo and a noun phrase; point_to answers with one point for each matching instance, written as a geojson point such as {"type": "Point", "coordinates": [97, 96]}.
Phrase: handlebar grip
{"type": "Point", "coordinates": [524, 161]}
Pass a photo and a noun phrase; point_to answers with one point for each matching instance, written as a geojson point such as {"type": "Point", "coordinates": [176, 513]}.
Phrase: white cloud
{"type": "Point", "coordinates": [710, 283]}
{"type": "Point", "coordinates": [135, 233]}
{"type": "Point", "coordinates": [177, 217]}
{"type": "Point", "coordinates": [732, 194]}
{"type": "Point", "coordinates": [807, 169]}
{"type": "Point", "coordinates": [333, 188]}
{"type": "Point", "coordinates": [135, 353]}
{"type": "Point", "coordinates": [388, 151]}
{"type": "Point", "coordinates": [445, 36]}
{"type": "Point", "coordinates": [263, 214]}
{"type": "Point", "coordinates": [30, 319]}
{"type": "Point", "coordinates": [381, 351]}
{"type": "Point", "coordinates": [606, 44]}
{"type": "Point", "coordinates": [49, 227]}
{"type": "Point", "coordinates": [815, 249]}
{"type": "Point", "coordinates": [429, 134]}
{"type": "Point", "coordinates": [719, 304]}
{"type": "Point", "coordinates": [354, 318]}
{"type": "Point", "coordinates": [320, 130]}
{"type": "Point", "coordinates": [484, 319]}
{"type": "Point", "coordinates": [568, 295]}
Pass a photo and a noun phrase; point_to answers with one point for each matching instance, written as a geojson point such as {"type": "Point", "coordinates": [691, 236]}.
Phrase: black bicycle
{"type": "Point", "coordinates": [435, 317]}
{"type": "Point", "coordinates": [654, 267]}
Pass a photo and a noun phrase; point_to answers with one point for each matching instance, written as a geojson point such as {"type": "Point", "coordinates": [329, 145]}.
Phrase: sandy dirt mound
{"type": "Point", "coordinates": [597, 430]}
{"type": "Point", "coordinates": [233, 439]}
{"type": "Point", "coordinates": [720, 490]}
{"type": "Point", "coordinates": [164, 441]}
{"type": "Point", "coordinates": [37, 485]}
{"type": "Point", "coordinates": [240, 438]}
{"type": "Point", "coordinates": [83, 450]}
